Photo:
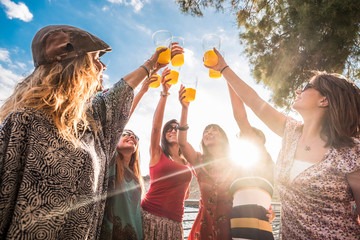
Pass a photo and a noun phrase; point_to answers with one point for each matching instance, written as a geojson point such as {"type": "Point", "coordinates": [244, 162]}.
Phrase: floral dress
{"type": "Point", "coordinates": [316, 204]}
{"type": "Point", "coordinates": [215, 205]}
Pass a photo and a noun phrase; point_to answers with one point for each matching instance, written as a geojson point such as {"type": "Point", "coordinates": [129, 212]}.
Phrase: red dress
{"type": "Point", "coordinates": [213, 219]}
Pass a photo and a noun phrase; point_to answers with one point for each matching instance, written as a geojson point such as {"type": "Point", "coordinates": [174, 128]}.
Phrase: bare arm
{"type": "Point", "coordinates": [269, 115]}
{"type": "Point", "coordinates": [354, 182]}
{"type": "Point", "coordinates": [136, 77]}
{"type": "Point", "coordinates": [155, 149]}
{"type": "Point", "coordinates": [239, 113]}
{"type": "Point", "coordinates": [143, 90]}
{"type": "Point", "coordinates": [186, 148]}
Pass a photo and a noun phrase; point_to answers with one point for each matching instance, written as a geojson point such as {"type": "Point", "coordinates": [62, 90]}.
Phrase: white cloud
{"type": "Point", "coordinates": [136, 4]}
{"type": "Point", "coordinates": [8, 80]}
{"type": "Point", "coordinates": [144, 29]}
{"type": "Point", "coordinates": [4, 55]}
{"type": "Point", "coordinates": [20, 10]}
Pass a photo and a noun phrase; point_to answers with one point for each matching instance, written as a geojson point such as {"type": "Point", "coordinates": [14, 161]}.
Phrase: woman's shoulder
{"type": "Point", "coordinates": [292, 124]}
{"type": "Point", "coordinates": [25, 116]}
{"type": "Point", "coordinates": [347, 158]}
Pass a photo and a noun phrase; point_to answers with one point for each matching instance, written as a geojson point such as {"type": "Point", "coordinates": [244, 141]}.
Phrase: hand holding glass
{"type": "Point", "coordinates": [156, 83]}
{"type": "Point", "coordinates": [209, 42]}
{"type": "Point", "coordinates": [190, 87]}
{"type": "Point", "coordinates": [174, 75]}
{"type": "Point", "coordinates": [178, 59]}
{"type": "Point", "coordinates": [162, 39]}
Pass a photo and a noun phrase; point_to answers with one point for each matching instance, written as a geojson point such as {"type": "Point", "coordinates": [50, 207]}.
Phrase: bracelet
{"type": "Point", "coordinates": [147, 70]}
{"type": "Point", "coordinates": [224, 68]}
{"type": "Point", "coordinates": [164, 94]}
{"type": "Point", "coordinates": [183, 128]}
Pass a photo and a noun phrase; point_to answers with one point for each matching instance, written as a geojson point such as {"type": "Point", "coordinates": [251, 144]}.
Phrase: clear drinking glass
{"type": "Point", "coordinates": [162, 39]}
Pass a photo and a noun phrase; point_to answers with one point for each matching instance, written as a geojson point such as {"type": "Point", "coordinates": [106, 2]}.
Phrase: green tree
{"type": "Point", "coordinates": [286, 39]}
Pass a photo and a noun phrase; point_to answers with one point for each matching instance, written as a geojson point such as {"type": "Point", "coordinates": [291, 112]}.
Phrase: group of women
{"type": "Point", "coordinates": [69, 170]}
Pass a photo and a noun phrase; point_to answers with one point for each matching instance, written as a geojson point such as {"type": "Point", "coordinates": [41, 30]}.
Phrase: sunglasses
{"type": "Point", "coordinates": [171, 128]}
{"type": "Point", "coordinates": [129, 134]}
{"type": "Point", "coordinates": [309, 85]}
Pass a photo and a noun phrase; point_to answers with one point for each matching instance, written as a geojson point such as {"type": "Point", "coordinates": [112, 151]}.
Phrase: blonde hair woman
{"type": "Point", "coordinates": [55, 143]}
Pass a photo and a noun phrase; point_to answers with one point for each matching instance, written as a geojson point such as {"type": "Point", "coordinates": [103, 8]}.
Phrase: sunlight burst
{"type": "Point", "coordinates": [245, 153]}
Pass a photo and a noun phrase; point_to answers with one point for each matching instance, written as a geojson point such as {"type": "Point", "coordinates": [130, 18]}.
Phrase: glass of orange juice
{"type": "Point", "coordinates": [210, 41]}
{"type": "Point", "coordinates": [178, 59]}
{"type": "Point", "coordinates": [157, 82]}
{"type": "Point", "coordinates": [162, 39]}
{"type": "Point", "coordinates": [214, 74]}
{"type": "Point", "coordinates": [190, 87]}
{"type": "Point", "coordinates": [174, 75]}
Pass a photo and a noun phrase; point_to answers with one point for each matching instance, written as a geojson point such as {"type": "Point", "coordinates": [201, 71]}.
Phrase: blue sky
{"type": "Point", "coordinates": [127, 26]}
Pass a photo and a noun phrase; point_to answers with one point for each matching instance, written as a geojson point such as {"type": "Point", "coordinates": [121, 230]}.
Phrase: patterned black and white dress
{"type": "Point", "coordinates": [48, 188]}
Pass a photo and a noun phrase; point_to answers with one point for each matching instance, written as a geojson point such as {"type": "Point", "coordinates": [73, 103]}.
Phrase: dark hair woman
{"type": "Point", "coordinates": [170, 176]}
{"type": "Point", "coordinates": [318, 170]}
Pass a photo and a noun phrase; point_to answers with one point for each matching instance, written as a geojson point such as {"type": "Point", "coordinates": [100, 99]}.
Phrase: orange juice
{"type": "Point", "coordinates": [174, 75]}
{"type": "Point", "coordinates": [156, 83]}
{"type": "Point", "coordinates": [189, 94]}
{"type": "Point", "coordinates": [177, 60]}
{"type": "Point", "coordinates": [214, 74]}
{"type": "Point", "coordinates": [210, 58]}
{"type": "Point", "coordinates": [164, 57]}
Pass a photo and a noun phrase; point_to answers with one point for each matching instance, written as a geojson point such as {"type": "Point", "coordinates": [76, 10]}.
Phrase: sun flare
{"type": "Point", "coordinates": [245, 153]}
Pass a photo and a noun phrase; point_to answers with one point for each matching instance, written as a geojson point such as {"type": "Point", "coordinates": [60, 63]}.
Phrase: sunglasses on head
{"type": "Point", "coordinates": [130, 134]}
{"type": "Point", "coordinates": [171, 128]}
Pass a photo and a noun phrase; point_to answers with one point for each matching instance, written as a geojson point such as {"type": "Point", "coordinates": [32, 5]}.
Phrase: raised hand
{"type": "Point", "coordinates": [221, 62]}
{"type": "Point", "coordinates": [153, 64]}
{"type": "Point", "coordinates": [146, 83]}
{"type": "Point", "coordinates": [182, 91]}
{"type": "Point", "coordinates": [175, 49]}
{"type": "Point", "coordinates": [164, 82]}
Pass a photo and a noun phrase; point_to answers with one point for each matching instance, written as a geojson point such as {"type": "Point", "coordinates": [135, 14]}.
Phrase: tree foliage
{"type": "Point", "coordinates": [286, 39]}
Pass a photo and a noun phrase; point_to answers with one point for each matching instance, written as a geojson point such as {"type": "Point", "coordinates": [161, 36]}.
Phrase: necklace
{"type": "Point", "coordinates": [307, 148]}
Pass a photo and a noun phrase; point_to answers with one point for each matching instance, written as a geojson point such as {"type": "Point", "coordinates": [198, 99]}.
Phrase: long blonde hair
{"type": "Point", "coordinates": [61, 90]}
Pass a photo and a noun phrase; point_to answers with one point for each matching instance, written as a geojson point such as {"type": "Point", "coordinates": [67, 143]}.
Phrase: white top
{"type": "Point", "coordinates": [247, 196]}
{"type": "Point", "coordinates": [298, 167]}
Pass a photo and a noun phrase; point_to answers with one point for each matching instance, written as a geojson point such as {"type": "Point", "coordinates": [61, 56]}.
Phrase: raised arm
{"type": "Point", "coordinates": [140, 94]}
{"type": "Point", "coordinates": [155, 149]}
{"type": "Point", "coordinates": [239, 113]}
{"type": "Point", "coordinates": [150, 67]}
{"type": "Point", "coordinates": [269, 115]}
{"type": "Point", "coordinates": [186, 148]}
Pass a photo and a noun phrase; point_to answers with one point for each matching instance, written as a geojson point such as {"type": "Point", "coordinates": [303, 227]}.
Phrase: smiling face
{"type": "Point", "coordinates": [128, 141]}
{"type": "Point", "coordinates": [171, 133]}
{"type": "Point", "coordinates": [309, 97]}
{"type": "Point", "coordinates": [211, 136]}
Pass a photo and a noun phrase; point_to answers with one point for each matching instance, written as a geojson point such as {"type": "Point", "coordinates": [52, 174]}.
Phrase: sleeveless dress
{"type": "Point", "coordinates": [163, 205]}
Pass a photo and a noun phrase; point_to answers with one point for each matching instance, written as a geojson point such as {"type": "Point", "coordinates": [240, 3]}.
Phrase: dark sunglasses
{"type": "Point", "coordinates": [309, 85]}
{"type": "Point", "coordinates": [306, 87]}
{"type": "Point", "coordinates": [129, 134]}
{"type": "Point", "coordinates": [171, 128]}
